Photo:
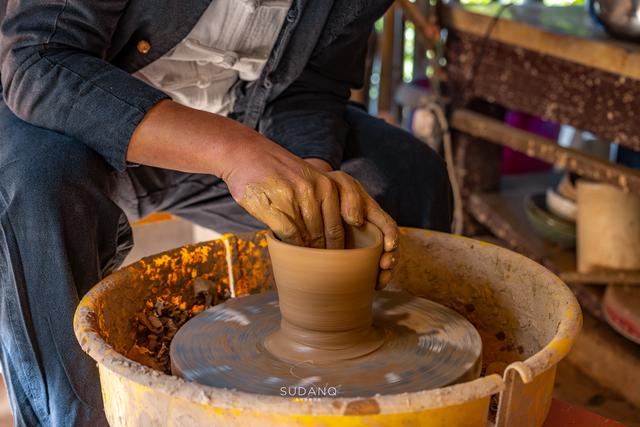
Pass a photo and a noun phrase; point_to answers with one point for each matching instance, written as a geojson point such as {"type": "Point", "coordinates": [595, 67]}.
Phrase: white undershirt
{"type": "Point", "coordinates": [231, 41]}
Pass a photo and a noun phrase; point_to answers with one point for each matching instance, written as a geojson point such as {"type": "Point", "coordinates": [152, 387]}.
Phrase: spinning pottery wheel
{"type": "Point", "coordinates": [426, 345]}
{"type": "Point", "coordinates": [330, 336]}
{"type": "Point", "coordinates": [526, 317]}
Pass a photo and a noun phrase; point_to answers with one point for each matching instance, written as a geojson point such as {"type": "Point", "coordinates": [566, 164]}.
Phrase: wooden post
{"type": "Point", "coordinates": [391, 61]}
{"type": "Point", "coordinates": [419, 56]}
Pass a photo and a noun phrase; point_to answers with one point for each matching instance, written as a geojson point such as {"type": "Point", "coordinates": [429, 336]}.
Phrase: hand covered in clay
{"type": "Point", "coordinates": [356, 206]}
{"type": "Point", "coordinates": [300, 204]}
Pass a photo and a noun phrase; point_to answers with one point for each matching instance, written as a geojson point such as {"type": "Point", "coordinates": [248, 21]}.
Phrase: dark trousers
{"type": "Point", "coordinates": [64, 225]}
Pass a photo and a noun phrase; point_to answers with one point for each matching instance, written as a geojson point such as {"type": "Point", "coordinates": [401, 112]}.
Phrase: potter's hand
{"type": "Point", "coordinates": [297, 202]}
{"type": "Point", "coordinates": [356, 206]}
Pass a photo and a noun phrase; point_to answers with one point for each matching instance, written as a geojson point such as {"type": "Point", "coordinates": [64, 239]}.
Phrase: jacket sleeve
{"type": "Point", "coordinates": [55, 74]}
{"type": "Point", "coordinates": [308, 117]}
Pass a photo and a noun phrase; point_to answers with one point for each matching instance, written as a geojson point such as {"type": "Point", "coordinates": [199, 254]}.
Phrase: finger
{"type": "Point", "coordinates": [386, 224]}
{"type": "Point", "coordinates": [330, 205]}
{"type": "Point", "coordinates": [285, 200]}
{"type": "Point", "coordinates": [351, 205]}
{"type": "Point", "coordinates": [260, 206]}
{"type": "Point", "coordinates": [384, 278]}
{"type": "Point", "coordinates": [388, 260]}
{"type": "Point", "coordinates": [283, 227]}
{"type": "Point", "coordinates": [311, 215]}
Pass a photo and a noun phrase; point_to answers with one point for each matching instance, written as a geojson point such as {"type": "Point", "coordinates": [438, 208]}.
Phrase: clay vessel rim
{"type": "Point", "coordinates": [378, 242]}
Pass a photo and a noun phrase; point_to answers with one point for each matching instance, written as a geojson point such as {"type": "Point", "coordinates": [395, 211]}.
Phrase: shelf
{"type": "Point", "coordinates": [566, 33]}
{"type": "Point", "coordinates": [483, 127]}
{"type": "Point", "coordinates": [602, 277]}
{"type": "Point", "coordinates": [554, 88]}
{"type": "Point", "coordinates": [503, 214]}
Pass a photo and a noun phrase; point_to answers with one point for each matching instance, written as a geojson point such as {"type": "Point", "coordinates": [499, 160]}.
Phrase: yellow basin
{"type": "Point", "coordinates": [527, 318]}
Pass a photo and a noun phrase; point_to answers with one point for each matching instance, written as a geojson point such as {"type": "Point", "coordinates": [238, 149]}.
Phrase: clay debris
{"type": "Point", "coordinates": [162, 316]}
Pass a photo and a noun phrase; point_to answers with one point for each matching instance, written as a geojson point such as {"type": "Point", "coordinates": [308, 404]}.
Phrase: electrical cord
{"type": "Point", "coordinates": [465, 92]}
{"type": "Point", "coordinates": [458, 213]}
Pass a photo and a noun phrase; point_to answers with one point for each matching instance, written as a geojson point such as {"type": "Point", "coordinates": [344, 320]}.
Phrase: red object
{"type": "Point", "coordinates": [624, 323]}
{"type": "Point", "coordinates": [562, 414]}
{"type": "Point", "coordinates": [514, 162]}
{"type": "Point", "coordinates": [621, 306]}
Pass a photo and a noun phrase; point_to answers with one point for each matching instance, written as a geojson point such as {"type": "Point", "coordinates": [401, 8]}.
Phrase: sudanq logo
{"type": "Point", "coordinates": [309, 391]}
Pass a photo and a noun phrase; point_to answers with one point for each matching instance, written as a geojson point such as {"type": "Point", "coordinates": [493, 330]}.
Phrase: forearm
{"type": "Point", "coordinates": [173, 136]}
{"type": "Point", "coordinates": [55, 74]}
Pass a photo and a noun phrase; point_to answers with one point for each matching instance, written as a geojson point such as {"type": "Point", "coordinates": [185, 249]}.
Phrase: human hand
{"type": "Point", "coordinates": [302, 202]}
{"type": "Point", "coordinates": [297, 202]}
{"type": "Point", "coordinates": [356, 205]}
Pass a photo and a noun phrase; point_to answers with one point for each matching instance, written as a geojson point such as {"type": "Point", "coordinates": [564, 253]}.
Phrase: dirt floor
{"type": "Point", "coordinates": [571, 386]}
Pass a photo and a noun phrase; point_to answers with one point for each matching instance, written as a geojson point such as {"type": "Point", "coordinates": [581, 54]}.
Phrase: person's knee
{"type": "Point", "coordinates": [407, 177]}
{"type": "Point", "coordinates": [42, 175]}
{"type": "Point", "coordinates": [430, 186]}
{"type": "Point", "coordinates": [432, 167]}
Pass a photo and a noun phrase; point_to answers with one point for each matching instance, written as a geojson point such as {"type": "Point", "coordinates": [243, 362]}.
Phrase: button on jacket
{"type": "Point", "coordinates": [66, 65]}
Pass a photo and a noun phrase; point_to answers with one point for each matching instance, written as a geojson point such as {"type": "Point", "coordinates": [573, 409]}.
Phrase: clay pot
{"type": "Point", "coordinates": [608, 228]}
{"type": "Point", "coordinates": [326, 298]}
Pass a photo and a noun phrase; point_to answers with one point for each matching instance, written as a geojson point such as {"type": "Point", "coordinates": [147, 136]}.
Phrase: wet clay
{"type": "Point", "coordinates": [327, 327]}
{"type": "Point", "coordinates": [325, 298]}
{"type": "Point", "coordinates": [293, 214]}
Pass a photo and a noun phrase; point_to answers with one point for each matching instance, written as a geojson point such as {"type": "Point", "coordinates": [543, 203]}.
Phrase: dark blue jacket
{"type": "Point", "coordinates": [66, 65]}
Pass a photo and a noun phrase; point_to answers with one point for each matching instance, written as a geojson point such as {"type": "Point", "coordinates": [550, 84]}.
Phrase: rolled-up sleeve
{"type": "Point", "coordinates": [55, 74]}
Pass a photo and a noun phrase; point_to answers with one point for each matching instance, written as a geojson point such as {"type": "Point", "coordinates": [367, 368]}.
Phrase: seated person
{"type": "Point", "coordinates": [232, 114]}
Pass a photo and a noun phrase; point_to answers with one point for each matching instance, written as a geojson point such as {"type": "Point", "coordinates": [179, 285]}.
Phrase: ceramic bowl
{"type": "Point", "coordinates": [549, 226]}
{"type": "Point", "coordinates": [562, 207]}
{"type": "Point", "coordinates": [567, 188]}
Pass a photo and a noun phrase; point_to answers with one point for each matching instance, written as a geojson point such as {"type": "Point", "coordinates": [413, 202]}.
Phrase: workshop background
{"type": "Point", "coordinates": [534, 106]}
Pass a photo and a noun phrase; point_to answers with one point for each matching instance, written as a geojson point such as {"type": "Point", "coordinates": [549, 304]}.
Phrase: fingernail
{"type": "Point", "coordinates": [357, 219]}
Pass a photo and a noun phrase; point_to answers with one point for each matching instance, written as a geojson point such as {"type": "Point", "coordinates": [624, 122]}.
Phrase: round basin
{"type": "Point", "coordinates": [526, 316]}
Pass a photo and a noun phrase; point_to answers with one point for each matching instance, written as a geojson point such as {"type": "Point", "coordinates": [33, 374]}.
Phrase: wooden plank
{"type": "Point", "coordinates": [386, 62]}
{"type": "Point", "coordinates": [420, 61]}
{"type": "Point", "coordinates": [608, 358]}
{"type": "Point", "coordinates": [426, 31]}
{"type": "Point", "coordinates": [533, 145]}
{"type": "Point", "coordinates": [602, 277]}
{"type": "Point", "coordinates": [563, 92]}
{"type": "Point", "coordinates": [566, 33]}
